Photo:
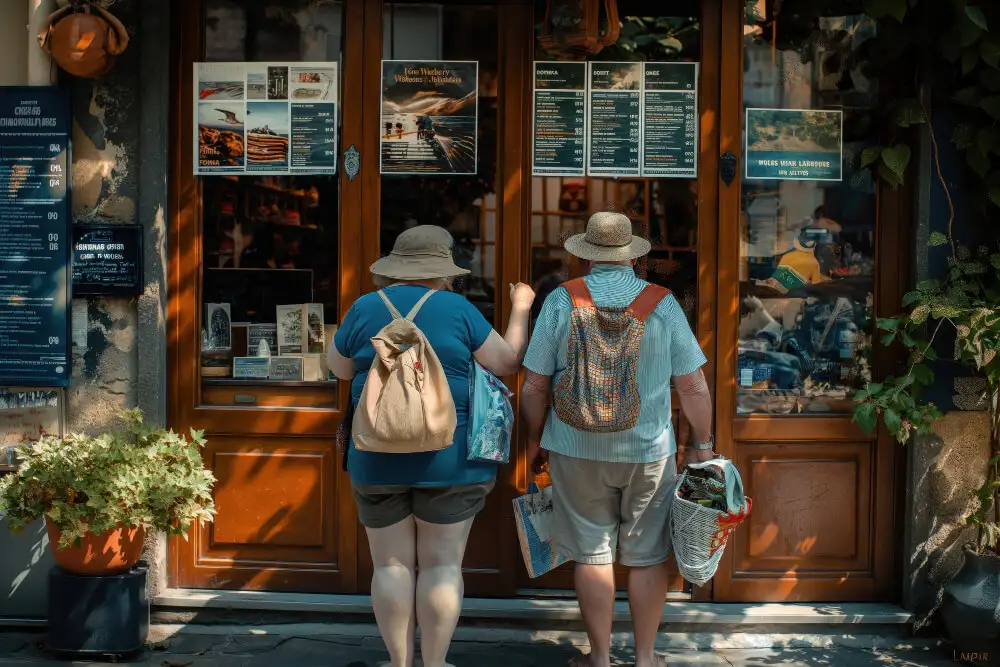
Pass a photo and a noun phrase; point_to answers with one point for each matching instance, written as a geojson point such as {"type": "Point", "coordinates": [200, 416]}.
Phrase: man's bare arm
{"type": "Point", "coordinates": [535, 395]}
{"type": "Point", "coordinates": [696, 403]}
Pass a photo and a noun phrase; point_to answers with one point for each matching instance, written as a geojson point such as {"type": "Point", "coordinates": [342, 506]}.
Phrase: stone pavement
{"type": "Point", "coordinates": [254, 648]}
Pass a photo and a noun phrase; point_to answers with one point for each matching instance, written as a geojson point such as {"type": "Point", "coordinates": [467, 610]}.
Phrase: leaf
{"type": "Point", "coordinates": [968, 32]}
{"type": "Point", "coordinates": [969, 96]}
{"type": "Point", "coordinates": [909, 112]}
{"type": "Point", "coordinates": [878, 9]}
{"type": "Point", "coordinates": [888, 323]}
{"type": "Point", "coordinates": [672, 44]}
{"type": "Point", "coordinates": [936, 239]}
{"type": "Point", "coordinates": [896, 158]}
{"type": "Point", "coordinates": [892, 420]}
{"type": "Point", "coordinates": [870, 155]}
{"type": "Point", "coordinates": [994, 195]}
{"type": "Point", "coordinates": [989, 51]}
{"type": "Point", "coordinates": [979, 162]}
{"type": "Point", "coordinates": [991, 105]}
{"type": "Point", "coordinates": [970, 58]}
{"type": "Point", "coordinates": [887, 339]}
{"type": "Point", "coordinates": [976, 15]}
{"type": "Point", "coordinates": [987, 139]}
{"type": "Point", "coordinates": [866, 417]}
{"type": "Point", "coordinates": [963, 135]}
{"type": "Point", "coordinates": [990, 78]}
{"type": "Point", "coordinates": [920, 313]}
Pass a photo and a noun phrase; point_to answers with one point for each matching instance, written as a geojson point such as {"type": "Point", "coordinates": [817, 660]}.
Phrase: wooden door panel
{"type": "Point", "coordinates": [279, 524]}
{"type": "Point", "coordinates": [812, 509]}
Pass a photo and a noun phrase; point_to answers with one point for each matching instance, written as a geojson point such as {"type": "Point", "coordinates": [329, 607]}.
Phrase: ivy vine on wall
{"type": "Point", "coordinates": [953, 48]}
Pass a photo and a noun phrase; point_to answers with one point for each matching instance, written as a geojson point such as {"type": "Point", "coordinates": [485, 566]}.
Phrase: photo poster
{"type": "Point", "coordinates": [794, 144]}
{"type": "Point", "coordinates": [430, 117]}
{"type": "Point", "coordinates": [265, 118]}
{"type": "Point", "coordinates": [559, 132]}
{"type": "Point", "coordinates": [614, 119]}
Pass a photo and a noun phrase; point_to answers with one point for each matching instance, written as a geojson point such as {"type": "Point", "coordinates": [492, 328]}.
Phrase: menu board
{"type": "Point", "coordinates": [429, 117]}
{"type": "Point", "coordinates": [670, 120]}
{"type": "Point", "coordinates": [615, 122]}
{"type": "Point", "coordinates": [560, 115]}
{"type": "Point", "coordinates": [107, 259]}
{"type": "Point", "coordinates": [265, 118]}
{"type": "Point", "coordinates": [34, 230]}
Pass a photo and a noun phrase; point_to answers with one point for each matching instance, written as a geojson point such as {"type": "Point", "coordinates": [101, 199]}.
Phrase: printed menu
{"type": "Point", "coordinates": [265, 118]}
{"type": "Point", "coordinates": [34, 236]}
{"type": "Point", "coordinates": [560, 119]}
{"type": "Point", "coordinates": [615, 123]}
{"type": "Point", "coordinates": [670, 120]}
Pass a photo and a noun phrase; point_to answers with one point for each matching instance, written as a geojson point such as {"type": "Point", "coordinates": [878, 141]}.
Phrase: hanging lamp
{"type": "Point", "coordinates": [578, 27]}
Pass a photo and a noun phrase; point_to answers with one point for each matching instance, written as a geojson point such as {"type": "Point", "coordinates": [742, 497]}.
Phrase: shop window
{"type": "Point", "coordinates": [663, 210]}
{"type": "Point", "coordinates": [270, 272]}
{"type": "Point", "coordinates": [444, 160]}
{"type": "Point", "coordinates": [809, 213]}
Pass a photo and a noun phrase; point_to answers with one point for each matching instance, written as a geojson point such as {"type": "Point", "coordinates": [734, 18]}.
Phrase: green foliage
{"type": "Point", "coordinates": [960, 72]}
{"type": "Point", "coordinates": [143, 476]}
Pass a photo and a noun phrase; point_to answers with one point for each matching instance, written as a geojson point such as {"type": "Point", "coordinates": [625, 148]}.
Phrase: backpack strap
{"type": "Point", "coordinates": [396, 315]}
{"type": "Point", "coordinates": [388, 304]}
{"type": "Point", "coordinates": [647, 301]}
{"type": "Point", "coordinates": [410, 316]}
{"type": "Point", "coordinates": [579, 293]}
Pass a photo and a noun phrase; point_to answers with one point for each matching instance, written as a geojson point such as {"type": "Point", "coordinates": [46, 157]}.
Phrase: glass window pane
{"type": "Point", "coordinates": [270, 243]}
{"type": "Point", "coordinates": [663, 210]}
{"type": "Point", "coordinates": [465, 205]}
{"type": "Point", "coordinates": [809, 211]}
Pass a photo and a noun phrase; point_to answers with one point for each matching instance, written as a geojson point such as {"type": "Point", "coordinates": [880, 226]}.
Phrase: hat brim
{"type": "Point", "coordinates": [580, 247]}
{"type": "Point", "coordinates": [424, 268]}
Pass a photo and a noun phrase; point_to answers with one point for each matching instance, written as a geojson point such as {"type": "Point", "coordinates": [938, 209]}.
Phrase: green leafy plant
{"type": "Point", "coordinates": [141, 476]}
{"type": "Point", "coordinates": [956, 46]}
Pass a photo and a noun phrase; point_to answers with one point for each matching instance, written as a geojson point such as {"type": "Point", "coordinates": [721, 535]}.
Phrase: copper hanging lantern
{"type": "Point", "coordinates": [578, 27]}
{"type": "Point", "coordinates": [83, 38]}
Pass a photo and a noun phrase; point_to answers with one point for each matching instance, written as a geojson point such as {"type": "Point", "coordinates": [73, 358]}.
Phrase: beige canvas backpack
{"type": "Point", "coordinates": [406, 405]}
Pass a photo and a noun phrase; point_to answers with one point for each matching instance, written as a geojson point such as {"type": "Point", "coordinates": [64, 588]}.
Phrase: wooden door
{"type": "Point", "coordinates": [804, 267]}
{"type": "Point", "coordinates": [286, 521]}
{"type": "Point", "coordinates": [679, 216]}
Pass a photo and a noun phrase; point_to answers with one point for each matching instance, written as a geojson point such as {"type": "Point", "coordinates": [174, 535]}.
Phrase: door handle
{"type": "Point", "coordinates": [727, 167]}
{"type": "Point", "coordinates": [352, 162]}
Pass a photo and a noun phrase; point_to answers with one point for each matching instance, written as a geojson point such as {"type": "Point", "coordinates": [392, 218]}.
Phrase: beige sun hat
{"type": "Point", "coordinates": [420, 253]}
{"type": "Point", "coordinates": [608, 239]}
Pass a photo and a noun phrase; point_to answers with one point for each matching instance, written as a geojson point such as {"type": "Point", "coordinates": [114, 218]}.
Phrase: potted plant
{"type": "Point", "coordinates": [99, 495]}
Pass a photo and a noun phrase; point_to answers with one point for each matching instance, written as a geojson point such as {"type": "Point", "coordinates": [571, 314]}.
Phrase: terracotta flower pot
{"type": "Point", "coordinates": [111, 552]}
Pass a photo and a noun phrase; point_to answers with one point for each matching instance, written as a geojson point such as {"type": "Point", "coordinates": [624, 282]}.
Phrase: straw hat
{"type": "Point", "coordinates": [420, 253]}
{"type": "Point", "coordinates": [608, 239]}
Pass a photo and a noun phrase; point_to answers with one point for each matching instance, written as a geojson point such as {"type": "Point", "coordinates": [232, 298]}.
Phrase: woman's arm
{"type": "Point", "coordinates": [503, 355]}
{"type": "Point", "coordinates": [341, 366]}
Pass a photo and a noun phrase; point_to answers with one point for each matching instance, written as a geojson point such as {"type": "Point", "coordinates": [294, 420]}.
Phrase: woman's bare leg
{"type": "Point", "coordinates": [440, 588]}
{"type": "Point", "coordinates": [394, 555]}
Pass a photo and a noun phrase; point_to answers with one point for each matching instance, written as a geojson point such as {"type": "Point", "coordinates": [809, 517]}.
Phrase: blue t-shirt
{"type": "Point", "coordinates": [455, 329]}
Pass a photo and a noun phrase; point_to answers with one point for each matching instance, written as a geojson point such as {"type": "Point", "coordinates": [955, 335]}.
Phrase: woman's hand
{"type": "Point", "coordinates": [521, 296]}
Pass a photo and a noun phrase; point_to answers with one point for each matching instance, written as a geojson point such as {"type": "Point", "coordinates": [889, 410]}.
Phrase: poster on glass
{"type": "Point", "coordinates": [615, 119]}
{"type": "Point", "coordinates": [429, 117]}
{"type": "Point", "coordinates": [794, 144]}
{"type": "Point", "coordinates": [265, 118]}
{"type": "Point", "coordinates": [560, 119]}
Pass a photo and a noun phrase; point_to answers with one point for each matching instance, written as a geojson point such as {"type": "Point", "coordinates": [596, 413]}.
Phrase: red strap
{"type": "Point", "coordinates": [647, 301]}
{"type": "Point", "coordinates": [579, 294]}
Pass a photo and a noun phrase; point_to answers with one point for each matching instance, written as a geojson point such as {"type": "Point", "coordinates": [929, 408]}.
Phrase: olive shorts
{"type": "Point", "coordinates": [597, 506]}
{"type": "Point", "coordinates": [384, 506]}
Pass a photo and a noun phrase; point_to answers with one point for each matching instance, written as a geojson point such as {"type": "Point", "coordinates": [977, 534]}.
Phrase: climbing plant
{"type": "Point", "coordinates": [953, 49]}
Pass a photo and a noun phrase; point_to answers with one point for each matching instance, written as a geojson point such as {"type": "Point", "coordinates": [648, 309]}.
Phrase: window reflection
{"type": "Point", "coordinates": [807, 246]}
{"type": "Point", "coordinates": [663, 210]}
{"type": "Point", "coordinates": [465, 205]}
{"type": "Point", "coordinates": [270, 243]}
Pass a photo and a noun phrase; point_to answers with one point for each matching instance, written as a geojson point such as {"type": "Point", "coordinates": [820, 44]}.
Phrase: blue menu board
{"type": "Point", "coordinates": [670, 120]}
{"type": "Point", "coordinates": [34, 236]}
{"type": "Point", "coordinates": [560, 119]}
{"type": "Point", "coordinates": [615, 120]}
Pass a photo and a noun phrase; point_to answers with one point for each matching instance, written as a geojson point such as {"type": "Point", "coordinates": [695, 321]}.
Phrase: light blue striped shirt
{"type": "Point", "coordinates": [668, 348]}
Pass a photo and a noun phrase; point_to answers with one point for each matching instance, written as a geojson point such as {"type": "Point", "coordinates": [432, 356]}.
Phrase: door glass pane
{"type": "Point", "coordinates": [663, 210]}
{"type": "Point", "coordinates": [270, 243]}
{"type": "Point", "coordinates": [807, 241]}
{"type": "Point", "coordinates": [444, 156]}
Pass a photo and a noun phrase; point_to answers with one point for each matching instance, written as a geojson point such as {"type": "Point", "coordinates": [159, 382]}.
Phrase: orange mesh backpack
{"type": "Point", "coordinates": [598, 392]}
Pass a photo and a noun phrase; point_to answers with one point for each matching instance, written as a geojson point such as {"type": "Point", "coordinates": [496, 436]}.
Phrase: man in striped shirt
{"type": "Point", "coordinates": [614, 489]}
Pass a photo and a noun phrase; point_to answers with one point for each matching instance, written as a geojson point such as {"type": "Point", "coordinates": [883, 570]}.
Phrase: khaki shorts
{"type": "Point", "coordinates": [384, 506]}
{"type": "Point", "coordinates": [598, 506]}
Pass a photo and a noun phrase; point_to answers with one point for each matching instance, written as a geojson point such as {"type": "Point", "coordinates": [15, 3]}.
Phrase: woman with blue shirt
{"type": "Point", "coordinates": [418, 509]}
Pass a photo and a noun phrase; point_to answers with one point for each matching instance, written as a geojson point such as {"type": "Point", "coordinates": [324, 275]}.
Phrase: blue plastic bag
{"type": "Point", "coordinates": [491, 417]}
